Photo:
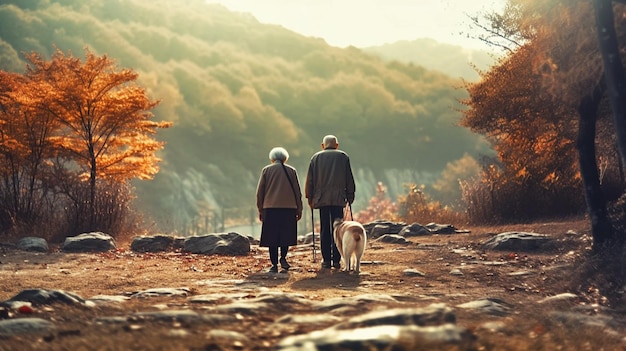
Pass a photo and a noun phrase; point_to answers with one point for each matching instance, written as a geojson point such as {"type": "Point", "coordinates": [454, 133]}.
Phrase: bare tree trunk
{"type": "Point", "coordinates": [616, 86]}
{"type": "Point", "coordinates": [601, 228]}
{"type": "Point", "coordinates": [613, 68]}
{"type": "Point", "coordinates": [92, 189]}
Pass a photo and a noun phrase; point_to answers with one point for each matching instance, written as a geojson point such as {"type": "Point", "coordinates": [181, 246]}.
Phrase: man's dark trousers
{"type": "Point", "coordinates": [328, 214]}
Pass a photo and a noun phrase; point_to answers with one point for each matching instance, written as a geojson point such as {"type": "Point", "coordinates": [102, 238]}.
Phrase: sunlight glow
{"type": "Point", "coordinates": [364, 23]}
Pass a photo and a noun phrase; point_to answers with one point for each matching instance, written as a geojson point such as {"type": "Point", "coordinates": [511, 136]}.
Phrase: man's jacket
{"type": "Point", "coordinates": [329, 181]}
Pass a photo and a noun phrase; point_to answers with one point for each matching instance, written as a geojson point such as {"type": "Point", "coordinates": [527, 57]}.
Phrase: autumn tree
{"type": "Point", "coordinates": [571, 49]}
{"type": "Point", "coordinates": [101, 127]}
{"type": "Point", "coordinates": [567, 60]}
{"type": "Point", "coordinates": [566, 56]}
{"type": "Point", "coordinates": [25, 148]}
{"type": "Point", "coordinates": [534, 135]}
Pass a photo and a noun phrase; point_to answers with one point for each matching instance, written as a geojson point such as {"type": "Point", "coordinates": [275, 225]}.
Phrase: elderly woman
{"type": "Point", "coordinates": [279, 201]}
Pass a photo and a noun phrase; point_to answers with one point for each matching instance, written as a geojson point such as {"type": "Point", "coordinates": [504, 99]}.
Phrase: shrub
{"type": "Point", "coordinates": [417, 207]}
{"type": "Point", "coordinates": [498, 197]}
{"type": "Point", "coordinates": [113, 213]}
{"type": "Point", "coordinates": [380, 207]}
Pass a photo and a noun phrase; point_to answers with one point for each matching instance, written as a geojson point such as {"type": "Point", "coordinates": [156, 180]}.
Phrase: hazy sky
{"type": "Point", "coordinates": [370, 22]}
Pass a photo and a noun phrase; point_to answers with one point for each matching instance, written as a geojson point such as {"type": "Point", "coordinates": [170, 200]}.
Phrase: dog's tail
{"type": "Point", "coordinates": [356, 234]}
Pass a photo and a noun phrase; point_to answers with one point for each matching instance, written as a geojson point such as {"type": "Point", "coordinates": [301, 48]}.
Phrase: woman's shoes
{"type": "Point", "coordinates": [283, 263]}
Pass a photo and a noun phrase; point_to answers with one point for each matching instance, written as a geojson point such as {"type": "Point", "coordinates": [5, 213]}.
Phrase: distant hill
{"type": "Point", "coordinates": [455, 61]}
{"type": "Point", "coordinates": [235, 88]}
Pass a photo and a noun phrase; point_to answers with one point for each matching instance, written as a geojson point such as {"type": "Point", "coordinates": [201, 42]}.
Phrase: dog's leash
{"type": "Point", "coordinates": [345, 215]}
{"type": "Point", "coordinates": [350, 206]}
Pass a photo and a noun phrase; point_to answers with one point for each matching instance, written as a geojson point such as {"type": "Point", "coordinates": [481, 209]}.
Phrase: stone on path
{"type": "Point", "coordinates": [233, 244]}
{"type": "Point", "coordinates": [31, 243]}
{"type": "Point", "coordinates": [89, 242]}
{"type": "Point", "coordinates": [517, 241]}
{"type": "Point", "coordinates": [25, 326]}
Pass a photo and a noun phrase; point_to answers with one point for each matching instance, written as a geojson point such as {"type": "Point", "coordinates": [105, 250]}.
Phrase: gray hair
{"type": "Point", "coordinates": [279, 154]}
{"type": "Point", "coordinates": [330, 141]}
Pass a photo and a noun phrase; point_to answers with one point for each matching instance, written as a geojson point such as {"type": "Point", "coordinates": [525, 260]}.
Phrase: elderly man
{"type": "Point", "coordinates": [329, 187]}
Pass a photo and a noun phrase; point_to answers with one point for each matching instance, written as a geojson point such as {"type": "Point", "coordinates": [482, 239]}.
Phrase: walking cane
{"type": "Point", "coordinates": [313, 231]}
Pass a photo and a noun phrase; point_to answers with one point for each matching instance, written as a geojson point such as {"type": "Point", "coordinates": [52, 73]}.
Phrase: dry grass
{"type": "Point", "coordinates": [529, 327]}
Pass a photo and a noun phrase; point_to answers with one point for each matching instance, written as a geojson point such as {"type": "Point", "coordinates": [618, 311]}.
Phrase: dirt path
{"type": "Point", "coordinates": [447, 269]}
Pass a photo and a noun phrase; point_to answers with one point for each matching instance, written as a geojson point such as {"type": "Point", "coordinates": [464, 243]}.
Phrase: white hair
{"type": "Point", "coordinates": [330, 141]}
{"type": "Point", "coordinates": [279, 154]}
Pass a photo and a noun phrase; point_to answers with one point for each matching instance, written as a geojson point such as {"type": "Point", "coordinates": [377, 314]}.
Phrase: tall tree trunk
{"type": "Point", "coordinates": [613, 68]}
{"type": "Point", "coordinates": [601, 228]}
{"type": "Point", "coordinates": [92, 200]}
{"type": "Point", "coordinates": [92, 187]}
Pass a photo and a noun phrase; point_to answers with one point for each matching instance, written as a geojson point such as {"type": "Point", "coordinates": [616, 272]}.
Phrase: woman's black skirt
{"type": "Point", "coordinates": [280, 227]}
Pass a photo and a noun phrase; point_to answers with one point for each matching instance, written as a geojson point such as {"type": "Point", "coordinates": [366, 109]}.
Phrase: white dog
{"type": "Point", "coordinates": [350, 239]}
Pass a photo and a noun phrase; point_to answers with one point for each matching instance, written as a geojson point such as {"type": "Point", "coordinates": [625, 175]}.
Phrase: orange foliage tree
{"type": "Point", "coordinates": [533, 133]}
{"type": "Point", "coordinates": [106, 126]}
{"type": "Point", "coordinates": [25, 147]}
{"type": "Point", "coordinates": [94, 121]}
{"type": "Point", "coordinates": [566, 61]}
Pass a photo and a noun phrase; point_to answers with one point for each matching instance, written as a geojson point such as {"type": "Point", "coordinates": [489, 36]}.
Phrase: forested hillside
{"type": "Point", "coordinates": [235, 88]}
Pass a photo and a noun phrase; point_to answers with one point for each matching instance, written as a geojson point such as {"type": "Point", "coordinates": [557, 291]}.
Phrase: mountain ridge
{"type": "Point", "coordinates": [453, 60]}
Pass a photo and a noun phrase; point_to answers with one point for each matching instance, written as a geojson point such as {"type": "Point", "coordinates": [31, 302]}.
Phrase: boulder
{"type": "Point", "coordinates": [414, 229]}
{"type": "Point", "coordinates": [517, 242]}
{"type": "Point", "coordinates": [392, 239]}
{"type": "Point", "coordinates": [46, 297]}
{"type": "Point", "coordinates": [392, 227]}
{"type": "Point", "coordinates": [89, 242]}
{"type": "Point", "coordinates": [31, 243]}
{"type": "Point", "coordinates": [156, 243]}
{"type": "Point", "coordinates": [232, 244]}
{"type": "Point", "coordinates": [441, 228]}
